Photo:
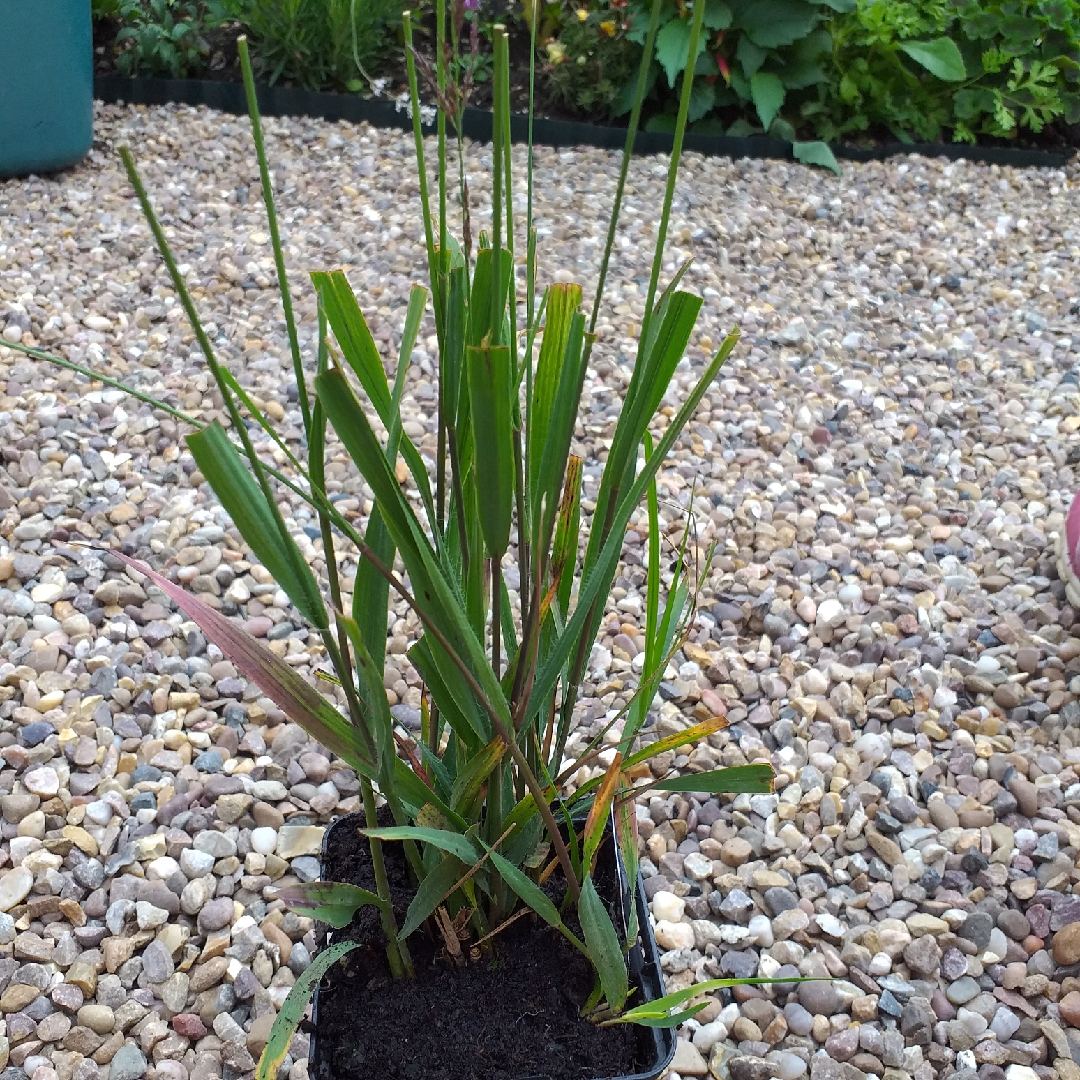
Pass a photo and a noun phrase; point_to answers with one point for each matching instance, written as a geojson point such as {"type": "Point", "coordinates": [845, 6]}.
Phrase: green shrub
{"type": "Point", "coordinates": [756, 56]}
{"type": "Point", "coordinates": [321, 44]}
{"type": "Point", "coordinates": [162, 37]}
{"type": "Point", "coordinates": [961, 68]}
{"type": "Point", "coordinates": [589, 58]}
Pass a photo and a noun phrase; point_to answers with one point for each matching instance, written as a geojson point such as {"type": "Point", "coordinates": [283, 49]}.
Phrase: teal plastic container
{"type": "Point", "coordinates": [46, 84]}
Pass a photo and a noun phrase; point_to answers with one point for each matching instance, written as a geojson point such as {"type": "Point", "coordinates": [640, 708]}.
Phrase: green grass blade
{"type": "Point", "coordinates": [300, 702]}
{"type": "Point", "coordinates": [487, 303]}
{"type": "Point", "coordinates": [331, 902]}
{"type": "Point", "coordinates": [490, 381]}
{"type": "Point", "coordinates": [292, 1012]}
{"type": "Point", "coordinates": [201, 337]}
{"type": "Point", "coordinates": [564, 549]}
{"type": "Point", "coordinates": [353, 336]}
{"type": "Point", "coordinates": [755, 779]}
{"type": "Point", "coordinates": [628, 149]}
{"type": "Point", "coordinates": [275, 233]}
{"type": "Point", "coordinates": [673, 168]}
{"type": "Point", "coordinates": [472, 777]}
{"type": "Point", "coordinates": [462, 847]}
{"type": "Point", "coordinates": [439, 882]}
{"type": "Point", "coordinates": [433, 591]}
{"type": "Point", "coordinates": [549, 673]}
{"type": "Point", "coordinates": [220, 463]}
{"type": "Point", "coordinates": [604, 948]}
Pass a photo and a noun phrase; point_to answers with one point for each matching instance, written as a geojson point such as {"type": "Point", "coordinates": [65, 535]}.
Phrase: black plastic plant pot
{"type": "Point", "coordinates": [655, 1047]}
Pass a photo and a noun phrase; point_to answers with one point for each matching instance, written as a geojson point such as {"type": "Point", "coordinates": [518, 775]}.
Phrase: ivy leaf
{"type": "Point", "coordinates": [940, 57]}
{"type": "Point", "coordinates": [815, 153]}
{"type": "Point", "coordinates": [767, 92]}
{"type": "Point", "coordinates": [842, 6]}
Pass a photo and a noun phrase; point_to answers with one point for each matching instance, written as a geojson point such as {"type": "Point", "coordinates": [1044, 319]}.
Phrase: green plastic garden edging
{"type": "Point", "coordinates": [282, 101]}
{"type": "Point", "coordinates": [46, 85]}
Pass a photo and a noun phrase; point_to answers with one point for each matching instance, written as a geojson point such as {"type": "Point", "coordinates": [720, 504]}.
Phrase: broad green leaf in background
{"type": "Point", "coordinates": [940, 57]}
{"type": "Point", "coordinates": [750, 56]}
{"type": "Point", "coordinates": [672, 43]}
{"type": "Point", "coordinates": [815, 153]}
{"type": "Point", "coordinates": [717, 15]}
{"type": "Point", "coordinates": [804, 68]}
{"type": "Point", "coordinates": [292, 1012]}
{"type": "Point", "coordinates": [702, 99]}
{"type": "Point", "coordinates": [768, 93]}
{"type": "Point", "coordinates": [605, 951]}
{"type": "Point", "coordinates": [332, 902]}
{"type": "Point", "coordinates": [772, 23]}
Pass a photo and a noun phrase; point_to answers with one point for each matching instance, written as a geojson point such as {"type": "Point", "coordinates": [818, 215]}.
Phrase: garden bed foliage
{"type": "Point", "coordinates": [1003, 72]}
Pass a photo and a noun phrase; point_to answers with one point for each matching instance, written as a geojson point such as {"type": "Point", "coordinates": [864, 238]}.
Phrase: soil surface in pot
{"type": "Point", "coordinates": [507, 1017]}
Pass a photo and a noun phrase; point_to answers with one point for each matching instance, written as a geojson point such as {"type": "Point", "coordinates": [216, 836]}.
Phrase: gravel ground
{"type": "Point", "coordinates": [883, 466]}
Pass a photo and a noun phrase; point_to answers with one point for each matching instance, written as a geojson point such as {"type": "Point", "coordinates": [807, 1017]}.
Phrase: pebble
{"type": "Point", "coordinates": [884, 466]}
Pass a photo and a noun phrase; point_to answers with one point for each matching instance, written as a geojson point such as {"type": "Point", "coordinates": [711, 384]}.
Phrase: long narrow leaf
{"type": "Point", "coordinates": [659, 1007]}
{"type": "Point", "coordinates": [600, 812]}
{"type": "Point", "coordinates": [490, 380]}
{"type": "Point", "coordinates": [432, 891]}
{"type": "Point", "coordinates": [453, 843]}
{"type": "Point", "coordinates": [433, 592]}
{"type": "Point", "coordinates": [530, 893]}
{"type": "Point", "coordinates": [603, 945]}
{"type": "Point", "coordinates": [332, 902]}
{"type": "Point", "coordinates": [300, 702]}
{"type": "Point", "coordinates": [292, 1012]}
{"type": "Point", "coordinates": [219, 461]}
{"type": "Point", "coordinates": [471, 779]}
{"type": "Point", "coordinates": [755, 779]}
{"type": "Point", "coordinates": [549, 673]}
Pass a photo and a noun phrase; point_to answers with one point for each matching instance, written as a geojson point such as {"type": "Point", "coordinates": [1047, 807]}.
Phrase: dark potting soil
{"type": "Point", "coordinates": [506, 1017]}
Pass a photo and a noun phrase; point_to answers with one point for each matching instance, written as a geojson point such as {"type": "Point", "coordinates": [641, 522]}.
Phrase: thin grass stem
{"type": "Point", "coordinates": [673, 167]}
{"type": "Point", "coordinates": [275, 234]}
{"type": "Point", "coordinates": [628, 149]}
{"type": "Point", "coordinates": [204, 344]}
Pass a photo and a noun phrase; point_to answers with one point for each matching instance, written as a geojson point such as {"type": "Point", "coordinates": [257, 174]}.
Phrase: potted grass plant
{"type": "Point", "coordinates": [487, 915]}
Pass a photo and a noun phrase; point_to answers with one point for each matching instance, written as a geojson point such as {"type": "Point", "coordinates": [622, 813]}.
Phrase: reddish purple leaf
{"type": "Point", "coordinates": [299, 701]}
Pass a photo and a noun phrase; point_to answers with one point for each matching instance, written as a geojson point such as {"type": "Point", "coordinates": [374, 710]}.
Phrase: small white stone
{"type": "Point", "coordinates": [264, 840]}
{"type": "Point", "coordinates": [708, 1035]}
{"type": "Point", "coordinates": [42, 781]}
{"type": "Point", "coordinates": [674, 935]}
{"type": "Point", "coordinates": [829, 611]}
{"type": "Point", "coordinates": [148, 916]}
{"type": "Point", "coordinates": [46, 593]}
{"type": "Point", "coordinates": [698, 866]}
{"type": "Point", "coordinates": [162, 869]}
{"type": "Point", "coordinates": [761, 932]}
{"type": "Point", "coordinates": [99, 812]}
{"type": "Point", "coordinates": [668, 907]}
{"type": "Point", "coordinates": [15, 885]}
